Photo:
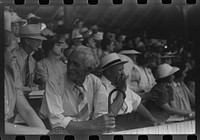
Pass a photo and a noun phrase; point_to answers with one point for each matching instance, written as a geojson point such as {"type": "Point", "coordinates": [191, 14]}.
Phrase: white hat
{"type": "Point", "coordinates": [129, 52]}
{"type": "Point", "coordinates": [111, 60]}
{"type": "Point", "coordinates": [165, 70]}
{"type": "Point", "coordinates": [84, 29]}
{"type": "Point", "coordinates": [31, 31]}
{"type": "Point", "coordinates": [78, 36]}
{"type": "Point", "coordinates": [98, 36]}
{"type": "Point", "coordinates": [16, 19]}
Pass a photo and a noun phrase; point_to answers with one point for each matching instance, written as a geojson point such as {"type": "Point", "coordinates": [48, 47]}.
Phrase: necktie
{"type": "Point", "coordinates": [27, 79]}
{"type": "Point", "coordinates": [124, 107]}
{"type": "Point", "coordinates": [83, 111]}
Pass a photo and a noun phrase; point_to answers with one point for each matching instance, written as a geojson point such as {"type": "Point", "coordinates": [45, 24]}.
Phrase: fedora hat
{"type": "Point", "coordinates": [129, 52]}
{"type": "Point", "coordinates": [165, 70]}
{"type": "Point", "coordinates": [109, 60]}
{"type": "Point", "coordinates": [31, 31]}
{"type": "Point", "coordinates": [16, 19]}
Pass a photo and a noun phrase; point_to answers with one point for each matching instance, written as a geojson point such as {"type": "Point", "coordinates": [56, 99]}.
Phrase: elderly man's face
{"type": "Point", "coordinates": [15, 28]}
{"type": "Point", "coordinates": [75, 69]}
{"type": "Point", "coordinates": [116, 71]}
{"type": "Point", "coordinates": [34, 44]}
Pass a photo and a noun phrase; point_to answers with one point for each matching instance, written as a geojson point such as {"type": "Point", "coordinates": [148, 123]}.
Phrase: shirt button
{"type": "Point", "coordinates": [6, 101]}
{"type": "Point", "coordinates": [7, 109]}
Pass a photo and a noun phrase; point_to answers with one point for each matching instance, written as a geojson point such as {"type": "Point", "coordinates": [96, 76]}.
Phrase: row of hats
{"type": "Point", "coordinates": [162, 71]}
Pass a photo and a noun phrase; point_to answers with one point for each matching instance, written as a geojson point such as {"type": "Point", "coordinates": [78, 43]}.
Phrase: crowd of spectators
{"type": "Point", "coordinates": [158, 76]}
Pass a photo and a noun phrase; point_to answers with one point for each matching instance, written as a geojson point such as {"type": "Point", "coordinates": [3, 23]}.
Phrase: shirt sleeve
{"type": "Point", "coordinates": [158, 96]}
{"type": "Point", "coordinates": [40, 70]}
{"type": "Point", "coordinates": [100, 99]}
{"type": "Point", "coordinates": [54, 104]}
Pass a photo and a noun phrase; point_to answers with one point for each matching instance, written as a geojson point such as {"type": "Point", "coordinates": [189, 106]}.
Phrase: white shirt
{"type": "Point", "coordinates": [132, 100]}
{"type": "Point", "coordinates": [60, 102]}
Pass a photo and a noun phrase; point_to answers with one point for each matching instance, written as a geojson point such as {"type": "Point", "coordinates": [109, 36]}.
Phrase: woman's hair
{"type": "Point", "coordinates": [146, 57]}
{"type": "Point", "coordinates": [162, 79]}
{"type": "Point", "coordinates": [48, 44]}
{"type": "Point", "coordinates": [182, 67]}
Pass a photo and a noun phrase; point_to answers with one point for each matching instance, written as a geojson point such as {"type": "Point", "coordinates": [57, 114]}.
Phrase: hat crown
{"type": "Point", "coordinates": [165, 70]}
{"type": "Point", "coordinates": [113, 57]}
{"type": "Point", "coordinates": [30, 29]}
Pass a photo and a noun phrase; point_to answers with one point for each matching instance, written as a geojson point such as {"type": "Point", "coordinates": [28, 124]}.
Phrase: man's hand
{"type": "Point", "coordinates": [156, 122]}
{"type": "Point", "coordinates": [121, 82]}
{"type": "Point", "coordinates": [104, 123]}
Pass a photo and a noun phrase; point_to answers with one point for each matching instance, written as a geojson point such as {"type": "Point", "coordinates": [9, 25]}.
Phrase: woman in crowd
{"type": "Point", "coordinates": [183, 97]}
{"type": "Point", "coordinates": [161, 102]}
{"type": "Point", "coordinates": [145, 82]}
{"type": "Point", "coordinates": [51, 65]}
{"type": "Point", "coordinates": [107, 46]}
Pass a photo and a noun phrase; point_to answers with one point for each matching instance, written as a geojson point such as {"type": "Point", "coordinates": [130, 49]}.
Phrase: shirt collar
{"type": "Point", "coordinates": [106, 82]}
{"type": "Point", "coordinates": [71, 84]}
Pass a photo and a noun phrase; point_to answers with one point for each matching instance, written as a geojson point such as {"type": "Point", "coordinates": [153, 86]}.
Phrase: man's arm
{"type": "Point", "coordinates": [27, 112]}
{"type": "Point", "coordinates": [175, 111]}
{"type": "Point", "coordinates": [145, 113]}
{"type": "Point", "coordinates": [19, 129]}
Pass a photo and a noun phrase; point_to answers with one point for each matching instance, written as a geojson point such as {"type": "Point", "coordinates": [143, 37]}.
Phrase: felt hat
{"type": "Point", "coordinates": [31, 31]}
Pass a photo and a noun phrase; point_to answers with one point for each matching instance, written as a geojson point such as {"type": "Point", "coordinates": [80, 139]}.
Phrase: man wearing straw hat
{"type": "Point", "coordinates": [113, 77]}
{"type": "Point", "coordinates": [31, 40]}
{"type": "Point", "coordinates": [79, 102]}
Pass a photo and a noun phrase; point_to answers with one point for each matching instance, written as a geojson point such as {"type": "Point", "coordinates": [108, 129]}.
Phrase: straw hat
{"type": "Point", "coordinates": [16, 19]}
{"type": "Point", "coordinates": [31, 31]}
{"type": "Point", "coordinates": [129, 52]}
{"type": "Point", "coordinates": [165, 70]}
{"type": "Point", "coordinates": [78, 36]}
{"type": "Point", "coordinates": [109, 60]}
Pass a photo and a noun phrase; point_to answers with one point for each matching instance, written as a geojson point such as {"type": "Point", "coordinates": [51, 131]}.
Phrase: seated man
{"type": "Point", "coordinates": [113, 77]}
{"type": "Point", "coordinates": [14, 100]}
{"type": "Point", "coordinates": [78, 102]}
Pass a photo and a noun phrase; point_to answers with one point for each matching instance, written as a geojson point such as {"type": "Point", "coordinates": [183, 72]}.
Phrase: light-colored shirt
{"type": "Point", "coordinates": [21, 57]}
{"type": "Point", "coordinates": [10, 94]}
{"type": "Point", "coordinates": [60, 103]}
{"type": "Point", "coordinates": [132, 100]}
{"type": "Point", "coordinates": [180, 93]}
{"type": "Point", "coordinates": [132, 71]}
{"type": "Point", "coordinates": [45, 69]}
{"type": "Point", "coordinates": [147, 80]}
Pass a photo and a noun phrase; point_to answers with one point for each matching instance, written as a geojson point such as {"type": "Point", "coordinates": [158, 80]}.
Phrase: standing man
{"type": "Point", "coordinates": [31, 39]}
{"type": "Point", "coordinates": [123, 107]}
{"type": "Point", "coordinates": [78, 102]}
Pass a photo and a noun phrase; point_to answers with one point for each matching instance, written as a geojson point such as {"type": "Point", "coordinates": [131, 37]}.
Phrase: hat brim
{"type": "Point", "coordinates": [117, 63]}
{"type": "Point", "coordinates": [21, 22]}
{"type": "Point", "coordinates": [174, 69]}
{"type": "Point", "coordinates": [34, 37]}
{"type": "Point", "coordinates": [129, 52]}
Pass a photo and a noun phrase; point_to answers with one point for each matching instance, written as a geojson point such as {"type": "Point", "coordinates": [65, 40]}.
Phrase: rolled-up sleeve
{"type": "Point", "coordinates": [136, 100]}
{"type": "Point", "coordinates": [100, 99]}
{"type": "Point", "coordinates": [54, 104]}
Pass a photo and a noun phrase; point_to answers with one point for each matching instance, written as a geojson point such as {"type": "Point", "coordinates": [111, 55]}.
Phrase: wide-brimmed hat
{"type": "Point", "coordinates": [31, 31]}
{"type": "Point", "coordinates": [78, 37]}
{"type": "Point", "coordinates": [165, 70]}
{"type": "Point", "coordinates": [16, 19]}
{"type": "Point", "coordinates": [129, 52]}
{"type": "Point", "coordinates": [111, 60]}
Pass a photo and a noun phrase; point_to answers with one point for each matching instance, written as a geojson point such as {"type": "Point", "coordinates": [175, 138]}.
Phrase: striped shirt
{"type": "Point", "coordinates": [21, 57]}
